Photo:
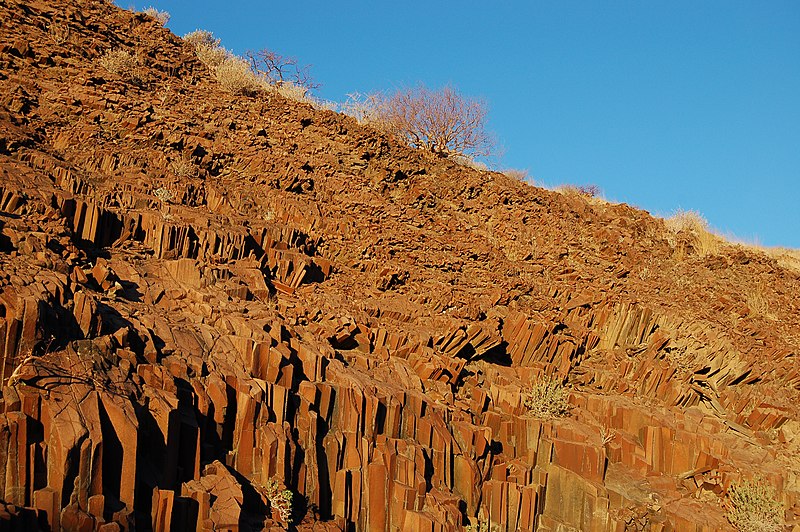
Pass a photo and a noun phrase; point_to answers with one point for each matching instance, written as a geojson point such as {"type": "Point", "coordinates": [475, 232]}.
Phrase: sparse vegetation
{"type": "Point", "coordinates": [365, 108]}
{"type": "Point", "coordinates": [443, 122]}
{"type": "Point", "coordinates": [162, 17]}
{"type": "Point", "coordinates": [586, 191]}
{"type": "Point", "coordinates": [519, 175]}
{"type": "Point", "coordinates": [787, 258]}
{"type": "Point", "coordinates": [231, 72]}
{"type": "Point", "coordinates": [692, 225]}
{"type": "Point", "coordinates": [757, 301]}
{"type": "Point", "coordinates": [163, 194]}
{"type": "Point", "coordinates": [279, 499]}
{"type": "Point", "coordinates": [466, 160]}
{"type": "Point", "coordinates": [183, 168]}
{"type": "Point", "coordinates": [58, 32]}
{"type": "Point", "coordinates": [294, 92]}
{"type": "Point", "coordinates": [754, 507]}
{"type": "Point", "coordinates": [281, 70]}
{"type": "Point", "coordinates": [607, 434]}
{"type": "Point", "coordinates": [686, 221]}
{"type": "Point", "coordinates": [547, 399]}
{"type": "Point", "coordinates": [207, 48]}
{"type": "Point", "coordinates": [234, 75]}
{"type": "Point", "coordinates": [264, 71]}
{"type": "Point", "coordinates": [123, 64]}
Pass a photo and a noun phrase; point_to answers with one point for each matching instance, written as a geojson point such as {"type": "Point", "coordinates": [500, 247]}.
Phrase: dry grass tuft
{"type": "Point", "coordinates": [365, 108]}
{"type": "Point", "coordinates": [479, 526]}
{"type": "Point", "coordinates": [469, 162]}
{"type": "Point", "coordinates": [585, 191]}
{"type": "Point", "coordinates": [59, 33]}
{"type": "Point", "coordinates": [291, 91]}
{"type": "Point", "coordinates": [184, 168]}
{"type": "Point", "coordinates": [758, 302]}
{"type": "Point", "coordinates": [547, 399]}
{"type": "Point", "coordinates": [692, 226]}
{"type": "Point", "coordinates": [682, 221]}
{"type": "Point", "coordinates": [754, 507]}
{"type": "Point", "coordinates": [786, 258]}
{"type": "Point", "coordinates": [519, 175]}
{"type": "Point", "coordinates": [123, 64]}
{"type": "Point", "coordinates": [162, 17]}
{"type": "Point", "coordinates": [234, 75]}
{"type": "Point", "coordinates": [207, 48]}
{"type": "Point", "coordinates": [163, 194]}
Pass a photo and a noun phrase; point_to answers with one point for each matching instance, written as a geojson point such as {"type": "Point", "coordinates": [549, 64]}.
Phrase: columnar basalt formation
{"type": "Point", "coordinates": [315, 309]}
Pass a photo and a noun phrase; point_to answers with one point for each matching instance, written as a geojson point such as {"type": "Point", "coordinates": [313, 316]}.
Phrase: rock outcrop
{"type": "Point", "coordinates": [232, 313]}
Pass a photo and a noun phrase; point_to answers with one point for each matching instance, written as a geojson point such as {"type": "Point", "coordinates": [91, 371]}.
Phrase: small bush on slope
{"type": "Point", "coordinates": [547, 399]}
{"type": "Point", "coordinates": [443, 122]}
{"type": "Point", "coordinates": [279, 499]}
{"type": "Point", "coordinates": [162, 17]}
{"type": "Point", "coordinates": [282, 71]}
{"type": "Point", "coordinates": [693, 225]}
{"type": "Point", "coordinates": [234, 75]}
{"type": "Point", "coordinates": [365, 108]}
{"type": "Point", "coordinates": [754, 508]}
{"type": "Point", "coordinates": [241, 76]}
{"type": "Point", "coordinates": [207, 47]}
{"type": "Point", "coordinates": [123, 64]}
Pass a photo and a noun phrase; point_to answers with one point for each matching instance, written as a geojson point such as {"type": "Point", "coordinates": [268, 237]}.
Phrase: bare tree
{"type": "Point", "coordinates": [279, 69]}
{"type": "Point", "coordinates": [443, 121]}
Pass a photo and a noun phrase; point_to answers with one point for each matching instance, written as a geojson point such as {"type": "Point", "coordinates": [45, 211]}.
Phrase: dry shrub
{"type": "Point", "coordinates": [207, 48]}
{"type": "Point", "coordinates": [585, 191]}
{"type": "Point", "coordinates": [163, 194]}
{"type": "Point", "coordinates": [201, 38]}
{"type": "Point", "coordinates": [162, 17]}
{"type": "Point", "coordinates": [786, 258]}
{"type": "Point", "coordinates": [365, 108]}
{"type": "Point", "coordinates": [184, 168]}
{"type": "Point", "coordinates": [280, 70]}
{"type": "Point", "coordinates": [123, 64]}
{"type": "Point", "coordinates": [291, 91]}
{"type": "Point", "coordinates": [469, 162]}
{"type": "Point", "coordinates": [59, 33]}
{"type": "Point", "coordinates": [234, 75]}
{"type": "Point", "coordinates": [443, 121]}
{"type": "Point", "coordinates": [754, 507]}
{"type": "Point", "coordinates": [758, 303]}
{"type": "Point", "coordinates": [519, 175]}
{"type": "Point", "coordinates": [547, 399]}
{"type": "Point", "coordinates": [692, 225]}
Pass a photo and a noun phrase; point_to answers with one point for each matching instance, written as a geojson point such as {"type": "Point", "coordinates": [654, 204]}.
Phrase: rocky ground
{"type": "Point", "coordinates": [209, 302]}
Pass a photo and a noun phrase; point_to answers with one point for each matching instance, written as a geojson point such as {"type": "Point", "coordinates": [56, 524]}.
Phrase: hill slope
{"type": "Point", "coordinates": [207, 298]}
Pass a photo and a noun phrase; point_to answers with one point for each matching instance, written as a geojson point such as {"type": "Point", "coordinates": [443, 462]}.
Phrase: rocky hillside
{"type": "Point", "coordinates": [223, 312]}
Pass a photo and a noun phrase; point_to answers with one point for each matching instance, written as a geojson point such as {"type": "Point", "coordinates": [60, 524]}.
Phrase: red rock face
{"type": "Point", "coordinates": [314, 309]}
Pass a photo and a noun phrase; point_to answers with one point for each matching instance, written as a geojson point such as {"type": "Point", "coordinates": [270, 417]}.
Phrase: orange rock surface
{"type": "Point", "coordinates": [317, 309]}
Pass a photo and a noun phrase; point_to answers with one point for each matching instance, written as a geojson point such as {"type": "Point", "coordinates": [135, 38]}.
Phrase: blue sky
{"type": "Point", "coordinates": [664, 104]}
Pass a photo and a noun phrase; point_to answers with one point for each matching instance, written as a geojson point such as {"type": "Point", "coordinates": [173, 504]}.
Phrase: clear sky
{"type": "Point", "coordinates": [664, 104]}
